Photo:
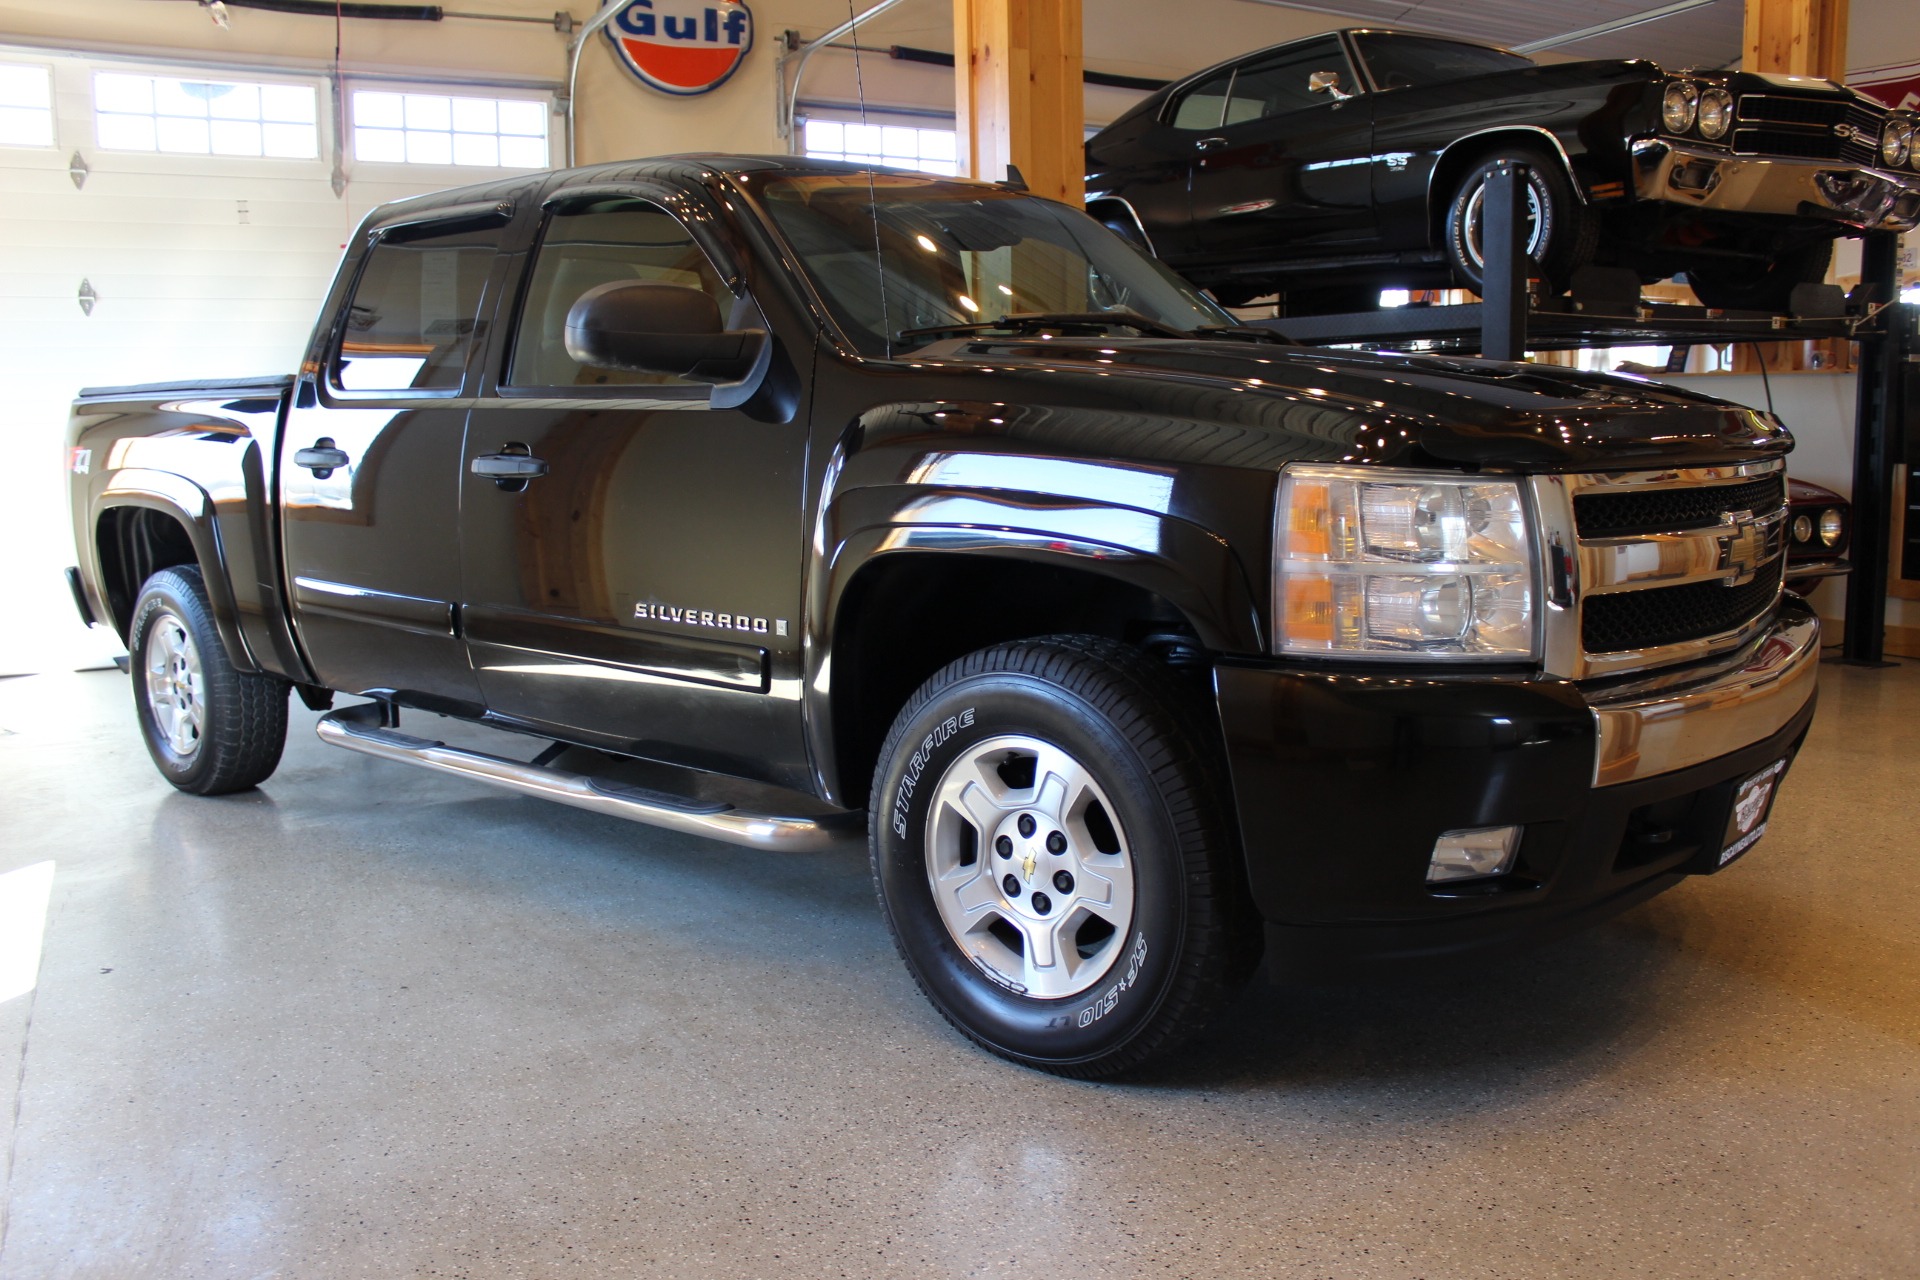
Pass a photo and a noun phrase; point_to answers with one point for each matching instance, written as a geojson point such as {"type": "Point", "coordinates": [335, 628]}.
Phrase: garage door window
{"type": "Point", "coordinates": [615, 241]}
{"type": "Point", "coordinates": [205, 117]}
{"type": "Point", "coordinates": [416, 309]}
{"type": "Point", "coordinates": [433, 128]}
{"type": "Point", "coordinates": [26, 106]}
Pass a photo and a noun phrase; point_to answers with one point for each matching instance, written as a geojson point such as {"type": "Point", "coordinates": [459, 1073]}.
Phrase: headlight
{"type": "Point", "coordinates": [1678, 105]}
{"type": "Point", "coordinates": [1716, 113]}
{"type": "Point", "coordinates": [1803, 528]}
{"type": "Point", "coordinates": [1896, 140]}
{"type": "Point", "coordinates": [1832, 525]}
{"type": "Point", "coordinates": [1372, 564]}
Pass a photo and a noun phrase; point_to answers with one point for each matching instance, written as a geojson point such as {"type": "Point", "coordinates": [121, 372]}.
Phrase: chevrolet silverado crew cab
{"type": "Point", "coordinates": [777, 500]}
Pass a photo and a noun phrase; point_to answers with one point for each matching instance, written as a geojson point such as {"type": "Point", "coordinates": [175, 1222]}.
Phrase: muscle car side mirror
{"type": "Point", "coordinates": [1327, 82]}
{"type": "Point", "coordinates": [661, 328]}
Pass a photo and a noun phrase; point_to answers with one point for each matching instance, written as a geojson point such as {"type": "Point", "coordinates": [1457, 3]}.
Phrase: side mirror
{"type": "Point", "coordinates": [661, 328]}
{"type": "Point", "coordinates": [1327, 82]}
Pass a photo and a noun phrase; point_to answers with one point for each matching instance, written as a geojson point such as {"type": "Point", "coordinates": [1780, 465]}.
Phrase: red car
{"type": "Point", "coordinates": [1818, 526]}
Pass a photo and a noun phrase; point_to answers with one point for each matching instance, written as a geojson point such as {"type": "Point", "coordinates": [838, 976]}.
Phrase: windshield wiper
{"type": "Point", "coordinates": [1027, 322]}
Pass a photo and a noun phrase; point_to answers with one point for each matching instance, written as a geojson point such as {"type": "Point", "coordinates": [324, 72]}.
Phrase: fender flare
{"type": "Point", "coordinates": [1192, 569]}
{"type": "Point", "coordinates": [192, 508]}
{"type": "Point", "coordinates": [1437, 210]}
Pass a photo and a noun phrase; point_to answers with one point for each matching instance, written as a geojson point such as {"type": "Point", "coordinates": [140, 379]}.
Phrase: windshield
{"type": "Point", "coordinates": [962, 253]}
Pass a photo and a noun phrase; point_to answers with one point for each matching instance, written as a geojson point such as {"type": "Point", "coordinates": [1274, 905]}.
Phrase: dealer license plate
{"type": "Point", "coordinates": [1751, 804]}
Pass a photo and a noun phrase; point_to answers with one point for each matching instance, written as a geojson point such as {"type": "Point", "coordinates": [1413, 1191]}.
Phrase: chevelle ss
{"type": "Point", "coordinates": [1327, 168]}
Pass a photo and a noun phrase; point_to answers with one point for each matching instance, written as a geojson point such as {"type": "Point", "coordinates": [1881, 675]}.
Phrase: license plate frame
{"type": "Point", "coordinates": [1752, 806]}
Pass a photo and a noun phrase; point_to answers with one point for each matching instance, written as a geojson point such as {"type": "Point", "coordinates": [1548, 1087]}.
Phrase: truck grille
{"type": "Point", "coordinates": [1661, 567]}
{"type": "Point", "coordinates": [1613, 515]}
{"type": "Point", "coordinates": [1669, 615]}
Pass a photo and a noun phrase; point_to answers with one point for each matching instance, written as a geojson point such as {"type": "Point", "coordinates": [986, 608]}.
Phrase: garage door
{"type": "Point", "coordinates": [165, 221]}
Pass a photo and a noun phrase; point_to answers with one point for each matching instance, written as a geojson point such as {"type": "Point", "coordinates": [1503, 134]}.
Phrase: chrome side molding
{"type": "Point", "coordinates": [359, 729]}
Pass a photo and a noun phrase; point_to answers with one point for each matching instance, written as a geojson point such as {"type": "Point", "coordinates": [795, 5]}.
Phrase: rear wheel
{"type": "Point", "coordinates": [1760, 285]}
{"type": "Point", "coordinates": [1050, 851]}
{"type": "Point", "coordinates": [1559, 234]}
{"type": "Point", "coordinates": [210, 728]}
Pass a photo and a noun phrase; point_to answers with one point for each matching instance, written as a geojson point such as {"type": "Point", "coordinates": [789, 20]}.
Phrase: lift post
{"type": "Point", "coordinates": [1503, 268]}
{"type": "Point", "coordinates": [1884, 348]}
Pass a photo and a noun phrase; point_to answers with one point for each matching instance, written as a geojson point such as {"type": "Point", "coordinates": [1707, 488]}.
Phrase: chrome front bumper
{"type": "Point", "coordinates": [1683, 718]}
{"type": "Point", "coordinates": [1703, 178]}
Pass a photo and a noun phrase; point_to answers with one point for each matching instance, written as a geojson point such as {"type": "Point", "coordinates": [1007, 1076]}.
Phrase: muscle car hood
{"type": "Point", "coordinates": [1321, 405]}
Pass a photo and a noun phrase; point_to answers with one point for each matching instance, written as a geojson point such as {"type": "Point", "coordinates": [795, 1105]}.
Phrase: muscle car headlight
{"type": "Point", "coordinates": [1896, 140]}
{"type": "Point", "coordinates": [1678, 105]}
{"type": "Point", "coordinates": [1716, 113]}
{"type": "Point", "coordinates": [1832, 526]}
{"type": "Point", "coordinates": [1402, 564]}
{"type": "Point", "coordinates": [1803, 528]}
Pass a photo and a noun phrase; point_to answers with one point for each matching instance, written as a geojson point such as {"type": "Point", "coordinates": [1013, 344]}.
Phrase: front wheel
{"type": "Point", "coordinates": [1050, 850]}
{"type": "Point", "coordinates": [1558, 233]}
{"type": "Point", "coordinates": [210, 727]}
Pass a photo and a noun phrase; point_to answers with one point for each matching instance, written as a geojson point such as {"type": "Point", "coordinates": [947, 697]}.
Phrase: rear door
{"type": "Point", "coordinates": [638, 593]}
{"type": "Point", "coordinates": [1287, 173]}
{"type": "Point", "coordinates": [370, 465]}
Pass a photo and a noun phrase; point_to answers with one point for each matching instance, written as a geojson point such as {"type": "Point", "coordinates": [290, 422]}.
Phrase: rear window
{"type": "Point", "coordinates": [1204, 104]}
{"type": "Point", "coordinates": [1413, 62]}
{"type": "Point", "coordinates": [415, 309]}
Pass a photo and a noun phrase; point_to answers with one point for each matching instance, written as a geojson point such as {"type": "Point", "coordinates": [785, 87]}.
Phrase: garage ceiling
{"type": "Point", "coordinates": [1706, 36]}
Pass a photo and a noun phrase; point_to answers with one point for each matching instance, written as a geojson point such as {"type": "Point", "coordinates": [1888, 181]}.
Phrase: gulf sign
{"type": "Point", "coordinates": [682, 46]}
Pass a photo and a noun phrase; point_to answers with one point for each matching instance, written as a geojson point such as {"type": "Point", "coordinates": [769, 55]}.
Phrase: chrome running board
{"type": "Point", "coordinates": [359, 729]}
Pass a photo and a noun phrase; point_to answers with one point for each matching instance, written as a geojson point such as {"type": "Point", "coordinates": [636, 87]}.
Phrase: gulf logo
{"type": "Point", "coordinates": [682, 46]}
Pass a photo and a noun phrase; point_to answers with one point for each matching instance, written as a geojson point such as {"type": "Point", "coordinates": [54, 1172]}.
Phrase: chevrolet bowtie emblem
{"type": "Point", "coordinates": [1743, 550]}
{"type": "Point", "coordinates": [1027, 865]}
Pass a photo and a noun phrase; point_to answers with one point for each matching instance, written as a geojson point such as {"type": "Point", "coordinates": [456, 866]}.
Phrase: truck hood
{"type": "Point", "coordinates": [1367, 408]}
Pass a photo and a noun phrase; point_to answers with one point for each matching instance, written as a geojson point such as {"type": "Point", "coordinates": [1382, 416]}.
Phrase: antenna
{"type": "Point", "coordinates": [873, 199]}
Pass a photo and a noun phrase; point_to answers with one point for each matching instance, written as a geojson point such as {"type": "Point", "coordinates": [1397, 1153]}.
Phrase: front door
{"type": "Point", "coordinates": [370, 469]}
{"type": "Point", "coordinates": [1286, 174]}
{"type": "Point", "coordinates": [643, 591]}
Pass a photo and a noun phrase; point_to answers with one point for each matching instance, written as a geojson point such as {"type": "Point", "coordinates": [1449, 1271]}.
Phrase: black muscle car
{"type": "Point", "coordinates": [1329, 167]}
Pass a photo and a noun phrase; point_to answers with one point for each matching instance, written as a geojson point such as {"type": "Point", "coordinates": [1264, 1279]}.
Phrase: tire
{"type": "Point", "coordinates": [1061, 788]}
{"type": "Point", "coordinates": [1762, 284]}
{"type": "Point", "coordinates": [1562, 235]}
{"type": "Point", "coordinates": [211, 729]}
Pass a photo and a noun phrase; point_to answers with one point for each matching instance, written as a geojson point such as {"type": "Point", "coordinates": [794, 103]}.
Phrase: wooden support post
{"type": "Point", "coordinates": [1017, 93]}
{"type": "Point", "coordinates": [1797, 37]}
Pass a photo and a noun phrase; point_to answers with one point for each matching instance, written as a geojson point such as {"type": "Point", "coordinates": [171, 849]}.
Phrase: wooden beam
{"type": "Point", "coordinates": [1797, 37]}
{"type": "Point", "coordinates": [1018, 93]}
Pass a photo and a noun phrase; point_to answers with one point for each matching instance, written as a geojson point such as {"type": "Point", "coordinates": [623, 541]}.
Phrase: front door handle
{"type": "Point", "coordinates": [1209, 144]}
{"type": "Point", "coordinates": [322, 459]}
{"type": "Point", "coordinates": [510, 470]}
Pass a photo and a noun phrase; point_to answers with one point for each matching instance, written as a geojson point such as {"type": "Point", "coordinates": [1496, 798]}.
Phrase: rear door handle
{"type": "Point", "coordinates": [323, 459]}
{"type": "Point", "coordinates": [510, 471]}
{"type": "Point", "coordinates": [1209, 144]}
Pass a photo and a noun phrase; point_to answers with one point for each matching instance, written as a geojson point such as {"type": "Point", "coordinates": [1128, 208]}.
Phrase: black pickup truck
{"type": "Point", "coordinates": [783, 501]}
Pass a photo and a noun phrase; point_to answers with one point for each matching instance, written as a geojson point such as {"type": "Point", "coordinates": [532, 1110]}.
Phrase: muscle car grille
{"type": "Point", "coordinates": [1807, 128]}
{"type": "Point", "coordinates": [1613, 515]}
{"type": "Point", "coordinates": [1669, 615]}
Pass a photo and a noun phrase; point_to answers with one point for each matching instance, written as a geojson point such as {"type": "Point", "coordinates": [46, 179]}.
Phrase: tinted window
{"type": "Point", "coordinates": [893, 252]}
{"type": "Point", "coordinates": [1280, 83]}
{"type": "Point", "coordinates": [1202, 106]}
{"type": "Point", "coordinates": [416, 309]}
{"type": "Point", "coordinates": [1410, 62]}
{"type": "Point", "coordinates": [613, 240]}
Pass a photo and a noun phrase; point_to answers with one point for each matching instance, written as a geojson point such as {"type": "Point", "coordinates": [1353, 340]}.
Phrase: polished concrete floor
{"type": "Point", "coordinates": [371, 1022]}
